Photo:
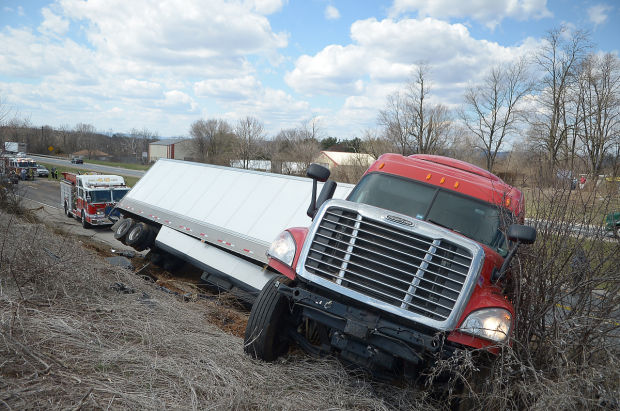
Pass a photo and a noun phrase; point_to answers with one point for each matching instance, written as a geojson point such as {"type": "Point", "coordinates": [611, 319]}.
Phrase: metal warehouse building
{"type": "Point", "coordinates": [180, 149]}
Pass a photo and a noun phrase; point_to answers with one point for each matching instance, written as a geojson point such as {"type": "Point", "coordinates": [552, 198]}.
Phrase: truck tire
{"type": "Point", "coordinates": [67, 210]}
{"type": "Point", "coordinates": [617, 232]}
{"type": "Point", "coordinates": [85, 223]}
{"type": "Point", "coordinates": [122, 229]}
{"type": "Point", "coordinates": [138, 236]}
{"type": "Point", "coordinates": [265, 335]}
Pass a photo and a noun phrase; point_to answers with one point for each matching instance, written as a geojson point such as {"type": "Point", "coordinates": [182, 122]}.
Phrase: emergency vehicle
{"type": "Point", "coordinates": [90, 198]}
{"type": "Point", "coordinates": [17, 164]}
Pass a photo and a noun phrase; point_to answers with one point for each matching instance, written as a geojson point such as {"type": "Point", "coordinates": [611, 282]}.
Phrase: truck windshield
{"type": "Point", "coordinates": [100, 196]}
{"type": "Point", "coordinates": [480, 221]}
{"type": "Point", "coordinates": [117, 195]}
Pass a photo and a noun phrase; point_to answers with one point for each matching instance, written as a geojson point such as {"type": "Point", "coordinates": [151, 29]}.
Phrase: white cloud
{"type": "Point", "coordinates": [52, 23]}
{"type": "Point", "coordinates": [177, 32]}
{"type": "Point", "coordinates": [598, 14]}
{"type": "Point", "coordinates": [387, 51]}
{"type": "Point", "coordinates": [331, 13]}
{"type": "Point", "coordinates": [488, 12]}
{"type": "Point", "coordinates": [177, 101]}
{"type": "Point", "coordinates": [266, 6]}
{"type": "Point", "coordinates": [227, 89]}
{"type": "Point", "coordinates": [381, 57]}
{"type": "Point", "coordinates": [20, 11]}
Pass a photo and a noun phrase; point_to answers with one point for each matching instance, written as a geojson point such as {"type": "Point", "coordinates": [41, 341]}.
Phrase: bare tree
{"type": "Point", "coordinates": [249, 132]}
{"type": "Point", "coordinates": [144, 137]}
{"type": "Point", "coordinates": [293, 150]}
{"type": "Point", "coordinates": [396, 123]}
{"type": "Point", "coordinates": [312, 128]}
{"type": "Point", "coordinates": [211, 139]}
{"type": "Point", "coordinates": [599, 100]}
{"type": "Point", "coordinates": [491, 109]}
{"type": "Point", "coordinates": [86, 137]}
{"type": "Point", "coordinates": [374, 144]}
{"type": "Point", "coordinates": [559, 59]}
{"type": "Point", "coordinates": [411, 122]}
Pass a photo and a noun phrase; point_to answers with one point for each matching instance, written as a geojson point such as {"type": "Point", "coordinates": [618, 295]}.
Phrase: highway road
{"type": "Point", "coordinates": [43, 197]}
{"type": "Point", "coordinates": [89, 167]}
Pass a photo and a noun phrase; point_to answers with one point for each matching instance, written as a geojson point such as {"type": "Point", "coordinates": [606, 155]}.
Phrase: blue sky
{"type": "Point", "coordinates": [120, 64]}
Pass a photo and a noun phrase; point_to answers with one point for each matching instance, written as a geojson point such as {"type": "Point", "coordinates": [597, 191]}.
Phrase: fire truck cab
{"type": "Point", "coordinates": [90, 198]}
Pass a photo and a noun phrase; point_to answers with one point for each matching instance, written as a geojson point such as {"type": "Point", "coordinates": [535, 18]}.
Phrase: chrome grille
{"type": "Point", "coordinates": [400, 267]}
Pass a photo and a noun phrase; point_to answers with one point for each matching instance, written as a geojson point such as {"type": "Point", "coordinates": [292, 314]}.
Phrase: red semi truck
{"type": "Point", "coordinates": [410, 264]}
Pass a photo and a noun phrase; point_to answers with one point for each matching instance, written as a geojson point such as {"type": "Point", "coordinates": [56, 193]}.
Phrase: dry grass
{"type": "Point", "coordinates": [70, 340]}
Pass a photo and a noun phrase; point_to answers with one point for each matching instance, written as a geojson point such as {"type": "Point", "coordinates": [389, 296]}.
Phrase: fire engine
{"type": "Point", "coordinates": [90, 198]}
{"type": "Point", "coordinates": [15, 165]}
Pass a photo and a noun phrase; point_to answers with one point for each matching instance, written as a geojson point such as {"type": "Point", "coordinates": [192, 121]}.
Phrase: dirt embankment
{"type": "Point", "coordinates": [77, 332]}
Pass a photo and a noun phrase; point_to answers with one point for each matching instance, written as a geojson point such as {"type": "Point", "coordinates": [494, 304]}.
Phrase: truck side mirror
{"type": "Point", "coordinates": [521, 234]}
{"type": "Point", "coordinates": [316, 173]}
{"type": "Point", "coordinates": [327, 192]}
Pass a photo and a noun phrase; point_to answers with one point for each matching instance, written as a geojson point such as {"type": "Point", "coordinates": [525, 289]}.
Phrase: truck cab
{"type": "Point", "coordinates": [408, 266]}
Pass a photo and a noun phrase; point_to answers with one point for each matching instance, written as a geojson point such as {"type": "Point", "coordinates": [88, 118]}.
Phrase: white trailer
{"type": "Point", "coordinates": [220, 219]}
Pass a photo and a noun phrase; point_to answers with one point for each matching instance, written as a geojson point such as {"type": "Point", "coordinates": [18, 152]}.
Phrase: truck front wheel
{"type": "Point", "coordinates": [85, 223]}
{"type": "Point", "coordinates": [617, 232]}
{"type": "Point", "coordinates": [266, 333]}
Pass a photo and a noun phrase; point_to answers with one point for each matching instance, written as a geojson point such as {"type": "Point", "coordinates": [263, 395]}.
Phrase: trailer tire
{"type": "Point", "coordinates": [138, 236]}
{"type": "Point", "coordinates": [123, 228]}
{"type": "Point", "coordinates": [265, 337]}
{"type": "Point", "coordinates": [85, 223]}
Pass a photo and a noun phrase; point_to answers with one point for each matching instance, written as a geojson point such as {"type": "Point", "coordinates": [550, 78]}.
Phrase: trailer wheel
{"type": "Point", "coordinates": [138, 236]}
{"type": "Point", "coordinates": [85, 223]}
{"type": "Point", "coordinates": [265, 335]}
{"type": "Point", "coordinates": [122, 229]}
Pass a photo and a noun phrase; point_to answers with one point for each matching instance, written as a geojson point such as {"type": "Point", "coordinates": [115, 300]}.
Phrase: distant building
{"type": "Point", "coordinates": [260, 165]}
{"type": "Point", "coordinates": [180, 149]}
{"type": "Point", "coordinates": [333, 159]}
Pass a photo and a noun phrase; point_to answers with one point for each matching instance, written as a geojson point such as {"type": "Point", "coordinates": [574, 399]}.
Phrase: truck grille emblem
{"type": "Point", "coordinates": [399, 220]}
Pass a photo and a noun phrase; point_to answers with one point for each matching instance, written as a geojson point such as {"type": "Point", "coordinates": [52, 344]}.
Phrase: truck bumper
{"type": "Point", "coordinates": [100, 220]}
{"type": "Point", "coordinates": [363, 337]}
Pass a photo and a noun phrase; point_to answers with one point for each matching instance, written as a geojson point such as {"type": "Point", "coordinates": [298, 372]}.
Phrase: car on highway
{"type": "Point", "coordinates": [42, 171]}
{"type": "Point", "coordinates": [77, 160]}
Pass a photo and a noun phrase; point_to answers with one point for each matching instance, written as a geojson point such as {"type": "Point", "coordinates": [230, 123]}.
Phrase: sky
{"type": "Point", "coordinates": [161, 65]}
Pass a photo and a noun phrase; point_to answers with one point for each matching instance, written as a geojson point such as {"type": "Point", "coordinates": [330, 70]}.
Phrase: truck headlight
{"type": "Point", "coordinates": [283, 248]}
{"type": "Point", "coordinates": [489, 323]}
